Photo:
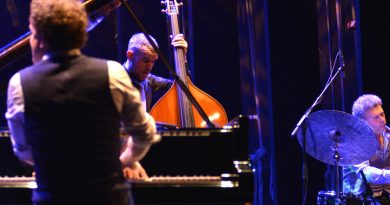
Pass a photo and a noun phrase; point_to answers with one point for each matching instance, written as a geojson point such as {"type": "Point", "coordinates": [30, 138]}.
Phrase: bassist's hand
{"type": "Point", "coordinates": [178, 41]}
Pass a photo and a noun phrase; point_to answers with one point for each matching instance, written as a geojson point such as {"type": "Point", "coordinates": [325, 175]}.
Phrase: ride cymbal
{"type": "Point", "coordinates": [332, 135]}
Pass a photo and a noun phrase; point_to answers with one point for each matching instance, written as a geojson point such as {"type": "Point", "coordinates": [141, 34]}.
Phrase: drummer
{"type": "Point", "coordinates": [377, 169]}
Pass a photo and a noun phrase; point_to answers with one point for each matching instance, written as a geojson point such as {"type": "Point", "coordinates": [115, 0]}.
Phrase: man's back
{"type": "Point", "coordinates": [72, 125]}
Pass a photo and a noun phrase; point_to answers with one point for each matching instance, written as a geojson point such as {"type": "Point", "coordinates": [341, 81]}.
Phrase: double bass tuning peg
{"type": "Point", "coordinates": [171, 6]}
{"type": "Point", "coordinates": [163, 3]}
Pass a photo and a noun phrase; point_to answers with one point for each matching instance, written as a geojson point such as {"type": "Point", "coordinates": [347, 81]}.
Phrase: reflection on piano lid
{"type": "Point", "coordinates": [200, 151]}
{"type": "Point", "coordinates": [165, 126]}
{"type": "Point", "coordinates": [18, 182]}
{"type": "Point", "coordinates": [4, 132]}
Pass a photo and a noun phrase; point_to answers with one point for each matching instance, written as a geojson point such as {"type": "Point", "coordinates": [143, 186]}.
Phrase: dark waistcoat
{"type": "Point", "coordinates": [71, 123]}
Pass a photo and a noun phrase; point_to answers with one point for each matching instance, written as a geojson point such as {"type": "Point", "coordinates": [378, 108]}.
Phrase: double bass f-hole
{"type": "Point", "coordinates": [174, 107]}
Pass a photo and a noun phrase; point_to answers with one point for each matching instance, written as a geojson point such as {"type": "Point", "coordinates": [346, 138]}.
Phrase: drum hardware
{"type": "Point", "coordinates": [302, 123]}
{"type": "Point", "coordinates": [331, 198]}
{"type": "Point", "coordinates": [337, 138]}
{"type": "Point", "coordinates": [333, 135]}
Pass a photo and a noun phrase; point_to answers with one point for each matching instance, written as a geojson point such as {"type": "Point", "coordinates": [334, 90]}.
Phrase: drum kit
{"type": "Point", "coordinates": [340, 139]}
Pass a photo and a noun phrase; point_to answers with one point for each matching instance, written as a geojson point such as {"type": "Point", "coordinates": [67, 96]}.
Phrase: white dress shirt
{"type": "Point", "coordinates": [124, 95]}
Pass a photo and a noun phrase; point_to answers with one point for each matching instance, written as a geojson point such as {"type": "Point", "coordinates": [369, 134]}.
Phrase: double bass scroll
{"type": "Point", "coordinates": [174, 107]}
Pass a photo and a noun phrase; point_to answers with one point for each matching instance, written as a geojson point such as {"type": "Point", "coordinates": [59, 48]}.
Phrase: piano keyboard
{"type": "Point", "coordinates": [185, 181]}
{"type": "Point", "coordinates": [154, 181]}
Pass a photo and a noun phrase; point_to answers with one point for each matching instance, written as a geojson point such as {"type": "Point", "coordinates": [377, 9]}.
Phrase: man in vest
{"type": "Point", "coordinates": [64, 113]}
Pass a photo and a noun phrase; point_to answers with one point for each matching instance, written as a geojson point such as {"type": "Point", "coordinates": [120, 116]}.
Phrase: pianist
{"type": "Point", "coordinates": [65, 110]}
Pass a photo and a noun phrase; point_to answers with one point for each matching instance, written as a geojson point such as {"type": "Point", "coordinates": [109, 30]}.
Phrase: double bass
{"type": "Point", "coordinates": [174, 107]}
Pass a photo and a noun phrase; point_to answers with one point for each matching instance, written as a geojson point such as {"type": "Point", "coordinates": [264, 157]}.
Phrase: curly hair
{"type": "Point", "coordinates": [61, 24]}
{"type": "Point", "coordinates": [365, 102]}
{"type": "Point", "coordinates": [138, 41]}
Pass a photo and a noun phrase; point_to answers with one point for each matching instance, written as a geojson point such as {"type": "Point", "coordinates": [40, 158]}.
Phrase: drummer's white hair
{"type": "Point", "coordinates": [365, 102]}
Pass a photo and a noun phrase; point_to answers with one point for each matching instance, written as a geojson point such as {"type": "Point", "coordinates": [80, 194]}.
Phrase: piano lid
{"type": "Point", "coordinates": [199, 151]}
{"type": "Point", "coordinates": [97, 10]}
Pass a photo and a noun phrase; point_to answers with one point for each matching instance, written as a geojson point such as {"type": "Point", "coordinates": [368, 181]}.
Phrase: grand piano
{"type": "Point", "coordinates": [188, 166]}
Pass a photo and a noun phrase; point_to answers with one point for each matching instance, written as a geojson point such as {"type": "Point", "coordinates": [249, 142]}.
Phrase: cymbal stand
{"type": "Point", "coordinates": [303, 121]}
{"type": "Point", "coordinates": [368, 192]}
{"type": "Point", "coordinates": [335, 136]}
{"type": "Point", "coordinates": [305, 174]}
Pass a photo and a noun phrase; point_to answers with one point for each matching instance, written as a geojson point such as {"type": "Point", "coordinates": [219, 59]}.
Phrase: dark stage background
{"type": "Point", "coordinates": [214, 60]}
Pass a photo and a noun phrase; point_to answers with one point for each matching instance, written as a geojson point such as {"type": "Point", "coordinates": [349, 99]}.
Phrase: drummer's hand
{"type": "Point", "coordinates": [178, 41]}
{"type": "Point", "coordinates": [135, 171]}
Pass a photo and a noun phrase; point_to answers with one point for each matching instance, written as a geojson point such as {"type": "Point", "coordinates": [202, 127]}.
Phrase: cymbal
{"type": "Point", "coordinates": [356, 140]}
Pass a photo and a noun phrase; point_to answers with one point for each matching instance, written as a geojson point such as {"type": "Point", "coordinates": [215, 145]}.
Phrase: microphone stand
{"type": "Point", "coordinates": [316, 102]}
{"type": "Point", "coordinates": [335, 134]}
{"type": "Point", "coordinates": [165, 62]}
{"type": "Point", "coordinates": [305, 174]}
{"type": "Point", "coordinates": [299, 124]}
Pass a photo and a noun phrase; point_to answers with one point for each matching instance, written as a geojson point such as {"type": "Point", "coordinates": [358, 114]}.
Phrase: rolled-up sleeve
{"type": "Point", "coordinates": [136, 122]}
{"type": "Point", "coordinates": [15, 120]}
{"type": "Point", "coordinates": [373, 174]}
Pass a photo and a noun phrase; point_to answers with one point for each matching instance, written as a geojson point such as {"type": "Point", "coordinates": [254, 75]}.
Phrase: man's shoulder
{"type": "Point", "coordinates": [111, 64]}
{"type": "Point", "coordinates": [92, 58]}
{"type": "Point", "coordinates": [156, 79]}
{"type": "Point", "coordinates": [158, 83]}
{"type": "Point", "coordinates": [31, 68]}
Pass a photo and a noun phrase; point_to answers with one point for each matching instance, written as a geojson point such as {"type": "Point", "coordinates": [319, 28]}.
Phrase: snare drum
{"type": "Point", "coordinates": [330, 198]}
